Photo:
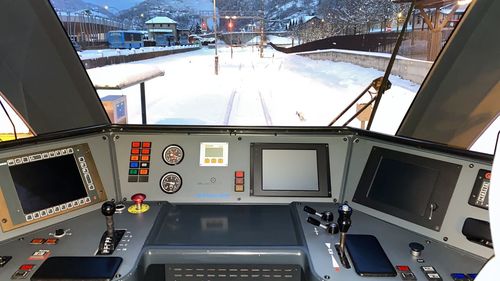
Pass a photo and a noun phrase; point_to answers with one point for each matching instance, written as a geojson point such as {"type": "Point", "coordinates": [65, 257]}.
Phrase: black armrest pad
{"type": "Point", "coordinates": [78, 268]}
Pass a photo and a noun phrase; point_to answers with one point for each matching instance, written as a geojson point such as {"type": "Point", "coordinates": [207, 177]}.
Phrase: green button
{"type": "Point", "coordinates": [133, 172]}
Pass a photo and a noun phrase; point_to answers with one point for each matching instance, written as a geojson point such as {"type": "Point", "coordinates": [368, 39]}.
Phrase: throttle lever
{"type": "Point", "coordinates": [331, 228]}
{"type": "Point", "coordinates": [326, 215]}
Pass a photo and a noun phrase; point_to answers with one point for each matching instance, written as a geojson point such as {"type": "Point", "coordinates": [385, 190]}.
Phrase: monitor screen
{"type": "Point", "coordinates": [290, 169]}
{"type": "Point", "coordinates": [398, 183]}
{"type": "Point", "coordinates": [411, 187]}
{"type": "Point", "coordinates": [43, 184]}
{"type": "Point", "coordinates": [299, 167]}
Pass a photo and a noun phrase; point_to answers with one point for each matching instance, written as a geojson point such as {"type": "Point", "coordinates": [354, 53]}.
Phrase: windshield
{"type": "Point", "coordinates": [256, 63]}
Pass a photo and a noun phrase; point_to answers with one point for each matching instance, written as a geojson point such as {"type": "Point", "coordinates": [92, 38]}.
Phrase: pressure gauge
{"type": "Point", "coordinates": [171, 182]}
{"type": "Point", "coordinates": [173, 154]}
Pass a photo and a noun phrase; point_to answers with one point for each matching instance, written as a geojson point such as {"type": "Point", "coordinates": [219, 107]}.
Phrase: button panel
{"type": "Point", "coordinates": [139, 164]}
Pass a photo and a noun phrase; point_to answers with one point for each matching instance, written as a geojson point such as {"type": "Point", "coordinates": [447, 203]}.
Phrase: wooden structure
{"type": "Point", "coordinates": [435, 23]}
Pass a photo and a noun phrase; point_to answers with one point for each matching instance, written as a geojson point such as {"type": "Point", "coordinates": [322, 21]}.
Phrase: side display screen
{"type": "Point", "coordinates": [407, 186]}
{"type": "Point", "coordinates": [43, 184]}
{"type": "Point", "coordinates": [290, 170]}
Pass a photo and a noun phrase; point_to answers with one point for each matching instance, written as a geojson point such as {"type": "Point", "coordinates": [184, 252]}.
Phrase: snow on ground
{"type": "Point", "coordinates": [278, 90]}
{"type": "Point", "coordinates": [94, 54]}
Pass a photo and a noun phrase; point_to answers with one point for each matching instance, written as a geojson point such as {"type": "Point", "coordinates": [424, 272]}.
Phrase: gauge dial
{"type": "Point", "coordinates": [173, 154]}
{"type": "Point", "coordinates": [171, 182]}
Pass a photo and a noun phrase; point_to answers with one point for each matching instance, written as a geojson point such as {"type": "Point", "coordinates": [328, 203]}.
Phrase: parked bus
{"type": "Point", "coordinates": [125, 39]}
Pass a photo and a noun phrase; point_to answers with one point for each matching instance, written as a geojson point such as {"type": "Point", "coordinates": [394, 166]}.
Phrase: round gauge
{"type": "Point", "coordinates": [171, 182]}
{"type": "Point", "coordinates": [173, 154]}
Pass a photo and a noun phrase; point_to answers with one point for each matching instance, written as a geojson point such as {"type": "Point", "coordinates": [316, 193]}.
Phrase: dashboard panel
{"type": "Point", "coordinates": [187, 201]}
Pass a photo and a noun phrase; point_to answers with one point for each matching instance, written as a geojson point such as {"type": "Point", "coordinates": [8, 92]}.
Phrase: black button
{"type": "Point", "coordinates": [60, 232]}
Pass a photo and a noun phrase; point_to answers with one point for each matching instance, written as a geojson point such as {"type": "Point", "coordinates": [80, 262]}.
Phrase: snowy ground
{"type": "Point", "coordinates": [277, 90]}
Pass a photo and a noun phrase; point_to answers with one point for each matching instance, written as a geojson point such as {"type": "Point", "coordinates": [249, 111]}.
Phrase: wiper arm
{"type": "Point", "coordinates": [385, 79]}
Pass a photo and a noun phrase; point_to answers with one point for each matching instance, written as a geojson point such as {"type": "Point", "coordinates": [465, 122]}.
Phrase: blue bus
{"type": "Point", "coordinates": [125, 39]}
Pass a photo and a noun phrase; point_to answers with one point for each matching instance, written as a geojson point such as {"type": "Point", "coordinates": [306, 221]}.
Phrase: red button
{"type": "Point", "coordinates": [146, 144]}
{"type": "Point", "coordinates": [37, 241]}
{"type": "Point", "coordinates": [134, 151]}
{"type": "Point", "coordinates": [146, 151]}
{"type": "Point", "coordinates": [26, 267]}
{"type": "Point", "coordinates": [52, 241]}
{"type": "Point", "coordinates": [136, 144]}
{"type": "Point", "coordinates": [144, 172]}
{"type": "Point", "coordinates": [487, 176]}
{"type": "Point", "coordinates": [403, 268]}
{"type": "Point", "coordinates": [239, 174]}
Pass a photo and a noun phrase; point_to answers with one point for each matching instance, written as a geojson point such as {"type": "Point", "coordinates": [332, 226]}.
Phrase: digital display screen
{"type": "Point", "coordinates": [214, 152]}
{"type": "Point", "coordinates": [289, 170]}
{"type": "Point", "coordinates": [47, 183]}
{"type": "Point", "coordinates": [403, 185]}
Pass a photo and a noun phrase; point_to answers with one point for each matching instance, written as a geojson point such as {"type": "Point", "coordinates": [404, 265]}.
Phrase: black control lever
{"type": "Point", "coordinates": [344, 223]}
{"type": "Point", "coordinates": [331, 228]}
{"type": "Point", "coordinates": [326, 216]}
{"type": "Point", "coordinates": [110, 237]}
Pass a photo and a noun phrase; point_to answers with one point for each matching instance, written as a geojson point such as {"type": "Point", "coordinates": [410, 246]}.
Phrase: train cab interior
{"type": "Point", "coordinates": [86, 199]}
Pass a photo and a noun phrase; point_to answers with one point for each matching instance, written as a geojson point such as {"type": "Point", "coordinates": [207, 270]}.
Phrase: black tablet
{"type": "Point", "coordinates": [78, 268]}
{"type": "Point", "coordinates": [368, 257]}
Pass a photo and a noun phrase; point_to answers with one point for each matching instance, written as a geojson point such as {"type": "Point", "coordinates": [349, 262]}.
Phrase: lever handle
{"type": "Point", "coordinates": [313, 221]}
{"type": "Point", "coordinates": [309, 210]}
{"type": "Point", "coordinates": [344, 220]}
{"type": "Point", "coordinates": [108, 208]}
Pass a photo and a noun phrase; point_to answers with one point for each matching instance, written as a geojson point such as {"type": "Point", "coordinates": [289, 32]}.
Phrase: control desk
{"type": "Point", "coordinates": [242, 204]}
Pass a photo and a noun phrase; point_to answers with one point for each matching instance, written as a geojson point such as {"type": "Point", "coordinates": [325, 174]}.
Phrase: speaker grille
{"type": "Point", "coordinates": [222, 272]}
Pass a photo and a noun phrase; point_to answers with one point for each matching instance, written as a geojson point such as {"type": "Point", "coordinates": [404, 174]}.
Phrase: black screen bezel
{"type": "Point", "coordinates": [322, 161]}
{"type": "Point", "coordinates": [441, 192]}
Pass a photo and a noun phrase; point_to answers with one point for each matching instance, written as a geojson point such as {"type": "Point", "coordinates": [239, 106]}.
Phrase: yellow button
{"type": "Point", "coordinates": [207, 160]}
{"type": "Point", "coordinates": [220, 160]}
{"type": "Point", "coordinates": [239, 188]}
{"type": "Point", "coordinates": [214, 160]}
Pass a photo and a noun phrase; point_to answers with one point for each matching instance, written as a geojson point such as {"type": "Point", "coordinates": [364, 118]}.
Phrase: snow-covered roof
{"type": "Point", "coordinates": [161, 30]}
{"type": "Point", "coordinates": [447, 9]}
{"type": "Point", "coordinates": [161, 20]}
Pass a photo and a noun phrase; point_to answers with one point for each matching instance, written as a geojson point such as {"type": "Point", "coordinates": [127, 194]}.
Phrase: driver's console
{"type": "Point", "coordinates": [242, 205]}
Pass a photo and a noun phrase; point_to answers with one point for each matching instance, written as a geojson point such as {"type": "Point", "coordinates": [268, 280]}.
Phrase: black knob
{"type": "Point", "coordinates": [313, 221]}
{"type": "Point", "coordinates": [344, 220]}
{"type": "Point", "coordinates": [309, 210]}
{"type": "Point", "coordinates": [59, 232]}
{"type": "Point", "coordinates": [333, 228]}
{"type": "Point", "coordinates": [416, 249]}
{"type": "Point", "coordinates": [327, 216]}
{"type": "Point", "coordinates": [108, 208]}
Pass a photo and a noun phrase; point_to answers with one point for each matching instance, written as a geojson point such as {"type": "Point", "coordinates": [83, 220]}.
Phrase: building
{"type": "Point", "coordinates": [163, 30]}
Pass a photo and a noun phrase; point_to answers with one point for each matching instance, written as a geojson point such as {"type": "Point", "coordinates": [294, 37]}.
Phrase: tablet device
{"type": "Point", "coordinates": [368, 257]}
{"type": "Point", "coordinates": [78, 268]}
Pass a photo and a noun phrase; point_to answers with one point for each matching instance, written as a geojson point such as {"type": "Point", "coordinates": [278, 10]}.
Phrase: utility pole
{"type": "Point", "coordinates": [215, 42]}
{"type": "Point", "coordinates": [262, 35]}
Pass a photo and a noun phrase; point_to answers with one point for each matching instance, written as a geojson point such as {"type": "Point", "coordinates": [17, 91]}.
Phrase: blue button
{"type": "Point", "coordinates": [134, 164]}
{"type": "Point", "coordinates": [458, 276]}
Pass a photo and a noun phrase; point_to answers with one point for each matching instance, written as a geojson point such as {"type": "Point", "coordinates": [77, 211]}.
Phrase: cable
{"type": "Point", "coordinates": [10, 119]}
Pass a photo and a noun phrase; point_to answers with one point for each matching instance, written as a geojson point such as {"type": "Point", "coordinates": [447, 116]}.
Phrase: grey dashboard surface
{"type": "Point", "coordinates": [225, 225]}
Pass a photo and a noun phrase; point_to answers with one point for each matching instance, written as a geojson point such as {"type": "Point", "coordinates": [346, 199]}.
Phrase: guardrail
{"type": "Point", "coordinates": [103, 61]}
